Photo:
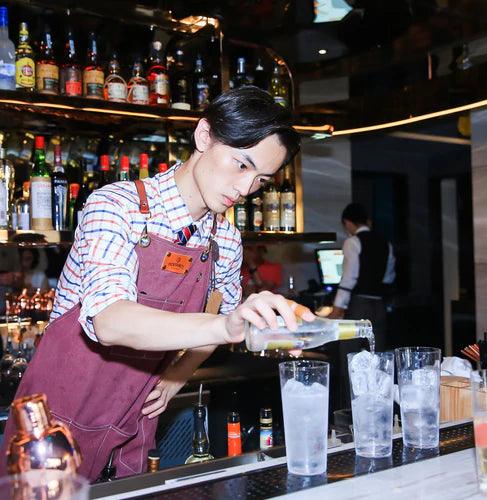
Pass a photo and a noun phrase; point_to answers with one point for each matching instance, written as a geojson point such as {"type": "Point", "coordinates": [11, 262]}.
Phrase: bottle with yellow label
{"type": "Point", "coordinates": [93, 76]}
{"type": "Point", "coordinates": [309, 334]}
{"type": "Point", "coordinates": [47, 70]}
{"type": "Point", "coordinates": [25, 74]}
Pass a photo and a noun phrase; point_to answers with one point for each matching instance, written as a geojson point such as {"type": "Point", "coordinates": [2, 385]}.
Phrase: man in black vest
{"type": "Point", "coordinates": [368, 268]}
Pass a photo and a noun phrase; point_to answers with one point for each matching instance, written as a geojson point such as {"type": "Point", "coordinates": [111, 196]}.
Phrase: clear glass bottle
{"type": "Point", "coordinates": [271, 204]}
{"type": "Point", "coordinates": [201, 88]}
{"type": "Point", "coordinates": [115, 89]}
{"type": "Point", "coordinates": [25, 78]}
{"type": "Point", "coordinates": [59, 183]}
{"type": "Point", "coordinates": [138, 86]}
{"type": "Point", "coordinates": [241, 75]}
{"type": "Point", "coordinates": [158, 77]}
{"type": "Point", "coordinates": [308, 334]}
{"type": "Point", "coordinates": [22, 208]}
{"type": "Point", "coordinates": [7, 54]}
{"type": "Point", "coordinates": [240, 211]}
{"type": "Point", "coordinates": [7, 187]}
{"type": "Point", "coordinates": [288, 202]}
{"type": "Point", "coordinates": [278, 87]}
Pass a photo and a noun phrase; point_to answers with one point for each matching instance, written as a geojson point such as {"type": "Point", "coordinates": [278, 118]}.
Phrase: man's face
{"type": "Point", "coordinates": [224, 174]}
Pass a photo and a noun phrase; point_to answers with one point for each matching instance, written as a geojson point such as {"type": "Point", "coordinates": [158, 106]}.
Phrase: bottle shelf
{"type": "Point", "coordinates": [92, 111]}
{"type": "Point", "coordinates": [287, 237]}
{"type": "Point", "coordinates": [30, 238]}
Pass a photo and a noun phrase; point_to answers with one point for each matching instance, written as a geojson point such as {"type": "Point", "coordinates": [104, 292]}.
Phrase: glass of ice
{"type": "Point", "coordinates": [304, 392]}
{"type": "Point", "coordinates": [418, 375]}
{"type": "Point", "coordinates": [371, 390]}
{"type": "Point", "coordinates": [478, 381]}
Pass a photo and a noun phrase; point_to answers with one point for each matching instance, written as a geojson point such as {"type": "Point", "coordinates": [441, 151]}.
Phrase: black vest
{"type": "Point", "coordinates": [373, 264]}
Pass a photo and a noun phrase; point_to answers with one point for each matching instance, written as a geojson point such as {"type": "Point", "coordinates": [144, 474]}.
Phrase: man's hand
{"type": "Point", "coordinates": [160, 396]}
{"type": "Point", "coordinates": [260, 310]}
{"type": "Point", "coordinates": [337, 313]}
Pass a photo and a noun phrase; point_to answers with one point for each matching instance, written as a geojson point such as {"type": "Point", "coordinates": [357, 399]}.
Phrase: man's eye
{"type": "Point", "coordinates": [242, 166]}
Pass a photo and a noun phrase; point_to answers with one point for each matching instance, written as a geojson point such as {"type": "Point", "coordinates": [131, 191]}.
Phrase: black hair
{"type": "Point", "coordinates": [356, 213]}
{"type": "Point", "coordinates": [243, 117]}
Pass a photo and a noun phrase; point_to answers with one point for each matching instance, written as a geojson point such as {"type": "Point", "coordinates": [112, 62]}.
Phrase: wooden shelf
{"type": "Point", "coordinates": [287, 237]}
{"type": "Point", "coordinates": [35, 238]}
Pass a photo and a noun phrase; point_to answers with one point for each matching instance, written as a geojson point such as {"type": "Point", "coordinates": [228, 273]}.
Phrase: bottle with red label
{"type": "Point", "coordinates": [93, 76]}
{"type": "Point", "coordinates": [71, 76]}
{"type": "Point", "coordinates": [158, 77]}
{"type": "Point", "coordinates": [234, 434]}
{"type": "Point", "coordinates": [115, 85]}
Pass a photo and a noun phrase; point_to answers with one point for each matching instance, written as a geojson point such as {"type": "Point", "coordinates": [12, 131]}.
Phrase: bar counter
{"type": "Point", "coordinates": [447, 473]}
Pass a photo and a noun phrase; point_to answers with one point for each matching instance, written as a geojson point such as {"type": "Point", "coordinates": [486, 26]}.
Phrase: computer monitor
{"type": "Point", "coordinates": [330, 265]}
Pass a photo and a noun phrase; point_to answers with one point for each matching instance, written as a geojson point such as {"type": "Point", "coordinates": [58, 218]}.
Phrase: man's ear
{"type": "Point", "coordinates": [202, 136]}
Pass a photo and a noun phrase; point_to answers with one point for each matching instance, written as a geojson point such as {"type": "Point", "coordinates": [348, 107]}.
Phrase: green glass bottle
{"type": "Point", "coordinates": [40, 189]}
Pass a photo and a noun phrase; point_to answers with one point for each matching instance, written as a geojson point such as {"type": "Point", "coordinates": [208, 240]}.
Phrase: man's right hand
{"type": "Point", "coordinates": [260, 310]}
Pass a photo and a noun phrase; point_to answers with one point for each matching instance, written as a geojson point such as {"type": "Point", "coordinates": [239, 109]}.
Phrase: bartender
{"type": "Point", "coordinates": [368, 269]}
{"type": "Point", "coordinates": [148, 258]}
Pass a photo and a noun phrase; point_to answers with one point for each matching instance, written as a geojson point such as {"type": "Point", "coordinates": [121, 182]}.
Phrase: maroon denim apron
{"type": "Point", "coordinates": [99, 391]}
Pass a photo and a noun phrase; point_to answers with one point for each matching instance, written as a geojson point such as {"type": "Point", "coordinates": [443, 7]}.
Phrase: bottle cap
{"type": "Point", "coordinates": [162, 167]}
{"type": "Point", "coordinates": [26, 185]}
{"type": "Point", "coordinates": [39, 142]}
{"type": "Point", "coordinates": [104, 162]}
{"type": "Point", "coordinates": [144, 160]}
{"type": "Point", "coordinates": [74, 190]}
{"type": "Point", "coordinates": [233, 417]}
{"type": "Point", "coordinates": [124, 163]}
{"type": "Point", "coordinates": [153, 454]}
{"type": "Point", "coordinates": [266, 413]}
{"type": "Point", "coordinates": [3, 17]}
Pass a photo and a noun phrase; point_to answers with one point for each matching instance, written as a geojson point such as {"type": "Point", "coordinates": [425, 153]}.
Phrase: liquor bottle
{"type": "Point", "coordinates": [115, 89]}
{"type": "Point", "coordinates": [93, 77]}
{"type": "Point", "coordinates": [47, 70]}
{"type": "Point", "coordinates": [70, 73]}
{"type": "Point", "coordinates": [240, 211]}
{"type": "Point", "coordinates": [153, 460]}
{"type": "Point", "coordinates": [201, 445]}
{"type": "Point", "coordinates": [256, 211]}
{"type": "Point", "coordinates": [271, 207]}
{"type": "Point", "coordinates": [309, 334]}
{"type": "Point", "coordinates": [25, 71]}
{"type": "Point", "coordinates": [40, 442]}
{"type": "Point", "coordinates": [265, 426]}
{"type": "Point", "coordinates": [59, 192]}
{"type": "Point", "coordinates": [7, 54]}
{"type": "Point", "coordinates": [40, 189]}
{"type": "Point", "coordinates": [22, 208]}
{"type": "Point", "coordinates": [83, 194]}
{"type": "Point", "coordinates": [143, 165]}
{"type": "Point", "coordinates": [291, 293]}
{"type": "Point", "coordinates": [234, 436]}
{"type": "Point", "coordinates": [162, 167]}
{"type": "Point", "coordinates": [73, 195]}
{"type": "Point", "coordinates": [214, 67]}
{"type": "Point", "coordinates": [157, 77]}
{"type": "Point", "coordinates": [278, 87]}
{"type": "Point", "coordinates": [241, 75]}
{"type": "Point", "coordinates": [104, 171]}
{"type": "Point", "coordinates": [261, 79]}
{"type": "Point", "coordinates": [138, 86]}
{"type": "Point", "coordinates": [7, 187]}
{"type": "Point", "coordinates": [180, 84]}
{"type": "Point", "coordinates": [123, 175]}
{"type": "Point", "coordinates": [201, 89]}
{"type": "Point", "coordinates": [288, 202]}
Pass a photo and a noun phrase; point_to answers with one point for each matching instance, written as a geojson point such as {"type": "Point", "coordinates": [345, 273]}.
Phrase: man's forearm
{"type": "Point", "coordinates": [188, 363]}
{"type": "Point", "coordinates": [134, 325]}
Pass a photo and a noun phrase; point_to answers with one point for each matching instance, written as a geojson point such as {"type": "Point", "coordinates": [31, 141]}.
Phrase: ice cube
{"type": "Point", "coordinates": [425, 377]}
{"type": "Point", "coordinates": [383, 384]}
{"type": "Point", "coordinates": [362, 361]}
{"type": "Point", "coordinates": [292, 386]}
{"type": "Point", "coordinates": [316, 388]}
{"type": "Point", "coordinates": [360, 382]}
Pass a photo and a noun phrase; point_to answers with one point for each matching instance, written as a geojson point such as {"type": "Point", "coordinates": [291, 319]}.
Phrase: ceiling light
{"type": "Point", "coordinates": [322, 52]}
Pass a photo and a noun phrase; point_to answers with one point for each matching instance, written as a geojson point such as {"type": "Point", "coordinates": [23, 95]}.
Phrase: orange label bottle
{"type": "Point", "coordinates": [234, 435]}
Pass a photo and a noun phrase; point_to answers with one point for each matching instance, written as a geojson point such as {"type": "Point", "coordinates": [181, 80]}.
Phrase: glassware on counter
{"type": "Point", "coordinates": [478, 381]}
{"type": "Point", "coordinates": [304, 391]}
{"type": "Point", "coordinates": [371, 391]}
{"type": "Point", "coordinates": [418, 375]}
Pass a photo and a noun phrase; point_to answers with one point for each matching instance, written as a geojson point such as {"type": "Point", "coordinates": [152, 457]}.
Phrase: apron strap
{"type": "Point", "coordinates": [144, 204]}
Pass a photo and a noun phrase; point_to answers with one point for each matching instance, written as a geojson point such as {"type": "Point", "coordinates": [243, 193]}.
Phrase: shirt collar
{"type": "Point", "coordinates": [172, 202]}
{"type": "Point", "coordinates": [362, 229]}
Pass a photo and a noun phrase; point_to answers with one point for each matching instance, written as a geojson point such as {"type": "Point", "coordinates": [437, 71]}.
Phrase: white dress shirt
{"type": "Point", "coordinates": [352, 247]}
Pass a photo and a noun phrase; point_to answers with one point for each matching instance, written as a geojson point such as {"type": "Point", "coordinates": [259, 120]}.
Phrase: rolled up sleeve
{"type": "Point", "coordinates": [108, 261]}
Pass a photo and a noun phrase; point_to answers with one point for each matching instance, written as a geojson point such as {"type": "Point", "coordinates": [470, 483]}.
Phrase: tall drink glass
{"type": "Point", "coordinates": [304, 391]}
{"type": "Point", "coordinates": [478, 381]}
{"type": "Point", "coordinates": [371, 390]}
{"type": "Point", "coordinates": [418, 374]}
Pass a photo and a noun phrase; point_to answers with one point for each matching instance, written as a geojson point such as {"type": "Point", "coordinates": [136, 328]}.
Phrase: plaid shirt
{"type": "Point", "coordinates": [102, 265]}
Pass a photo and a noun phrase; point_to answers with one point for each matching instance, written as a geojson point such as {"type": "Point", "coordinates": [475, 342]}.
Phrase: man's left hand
{"type": "Point", "coordinates": [336, 313]}
{"type": "Point", "coordinates": [160, 396]}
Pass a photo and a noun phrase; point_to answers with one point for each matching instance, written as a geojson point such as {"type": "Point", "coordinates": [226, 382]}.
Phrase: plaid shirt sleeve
{"type": "Point", "coordinates": [227, 273]}
{"type": "Point", "coordinates": [107, 259]}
